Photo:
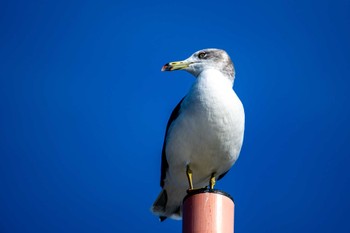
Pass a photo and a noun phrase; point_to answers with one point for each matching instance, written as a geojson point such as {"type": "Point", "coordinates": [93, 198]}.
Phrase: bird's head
{"type": "Point", "coordinates": [204, 59]}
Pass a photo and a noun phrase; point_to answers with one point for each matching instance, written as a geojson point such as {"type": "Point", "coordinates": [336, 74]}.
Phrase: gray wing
{"type": "Point", "coordinates": [164, 164]}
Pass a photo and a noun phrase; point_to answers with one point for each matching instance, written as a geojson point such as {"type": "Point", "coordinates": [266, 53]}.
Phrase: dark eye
{"type": "Point", "coordinates": [202, 55]}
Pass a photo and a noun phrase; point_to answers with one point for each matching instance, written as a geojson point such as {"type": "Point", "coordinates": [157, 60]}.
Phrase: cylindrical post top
{"type": "Point", "coordinates": [208, 211]}
{"type": "Point", "coordinates": [205, 190]}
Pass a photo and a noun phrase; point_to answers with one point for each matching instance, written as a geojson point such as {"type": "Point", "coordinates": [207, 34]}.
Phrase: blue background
{"type": "Point", "coordinates": [84, 108]}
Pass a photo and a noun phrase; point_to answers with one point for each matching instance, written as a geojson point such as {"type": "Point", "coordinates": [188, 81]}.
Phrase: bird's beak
{"type": "Point", "coordinates": [176, 65]}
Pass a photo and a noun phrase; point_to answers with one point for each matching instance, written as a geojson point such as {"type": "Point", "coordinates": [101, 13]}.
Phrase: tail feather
{"type": "Point", "coordinates": [159, 205]}
{"type": "Point", "coordinates": [164, 209]}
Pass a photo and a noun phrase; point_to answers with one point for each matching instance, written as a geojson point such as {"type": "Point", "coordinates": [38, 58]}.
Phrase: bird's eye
{"type": "Point", "coordinates": [202, 55]}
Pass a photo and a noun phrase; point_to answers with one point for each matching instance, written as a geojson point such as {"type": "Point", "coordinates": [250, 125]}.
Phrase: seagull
{"type": "Point", "coordinates": [204, 134]}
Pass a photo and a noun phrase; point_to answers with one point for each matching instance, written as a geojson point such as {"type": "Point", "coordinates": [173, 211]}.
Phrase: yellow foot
{"type": "Point", "coordinates": [189, 177]}
{"type": "Point", "coordinates": [212, 181]}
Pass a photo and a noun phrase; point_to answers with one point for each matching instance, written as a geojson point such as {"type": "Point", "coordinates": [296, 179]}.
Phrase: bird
{"type": "Point", "coordinates": [204, 133]}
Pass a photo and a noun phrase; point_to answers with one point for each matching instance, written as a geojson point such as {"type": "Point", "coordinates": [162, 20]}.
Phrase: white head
{"type": "Point", "coordinates": [204, 59]}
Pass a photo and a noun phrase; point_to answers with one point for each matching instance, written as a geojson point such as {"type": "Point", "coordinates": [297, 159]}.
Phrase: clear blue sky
{"type": "Point", "coordinates": [84, 108]}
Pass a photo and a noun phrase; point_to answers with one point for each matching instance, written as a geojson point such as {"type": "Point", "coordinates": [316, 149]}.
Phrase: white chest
{"type": "Point", "coordinates": [209, 130]}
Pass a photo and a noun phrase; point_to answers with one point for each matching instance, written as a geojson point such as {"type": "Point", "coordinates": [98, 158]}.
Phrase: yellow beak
{"type": "Point", "coordinates": [176, 65]}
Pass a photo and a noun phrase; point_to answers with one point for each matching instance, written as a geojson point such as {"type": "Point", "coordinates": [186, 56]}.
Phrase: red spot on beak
{"type": "Point", "coordinates": [165, 67]}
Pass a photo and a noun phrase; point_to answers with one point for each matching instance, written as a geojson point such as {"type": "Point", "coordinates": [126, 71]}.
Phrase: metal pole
{"type": "Point", "coordinates": [208, 211]}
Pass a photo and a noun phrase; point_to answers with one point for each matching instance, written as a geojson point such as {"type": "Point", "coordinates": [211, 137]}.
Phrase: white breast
{"type": "Point", "coordinates": [208, 133]}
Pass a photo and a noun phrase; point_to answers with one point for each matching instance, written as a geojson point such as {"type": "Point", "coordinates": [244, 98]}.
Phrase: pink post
{"type": "Point", "coordinates": [208, 211]}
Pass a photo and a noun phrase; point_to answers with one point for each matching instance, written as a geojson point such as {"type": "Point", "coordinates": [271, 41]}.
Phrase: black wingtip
{"type": "Point", "coordinates": [162, 218]}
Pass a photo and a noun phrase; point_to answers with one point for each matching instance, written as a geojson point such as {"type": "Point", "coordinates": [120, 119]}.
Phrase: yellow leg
{"type": "Point", "coordinates": [212, 181]}
{"type": "Point", "coordinates": [189, 177]}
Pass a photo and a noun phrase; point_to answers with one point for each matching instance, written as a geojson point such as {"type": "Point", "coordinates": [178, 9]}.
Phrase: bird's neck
{"type": "Point", "coordinates": [215, 76]}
